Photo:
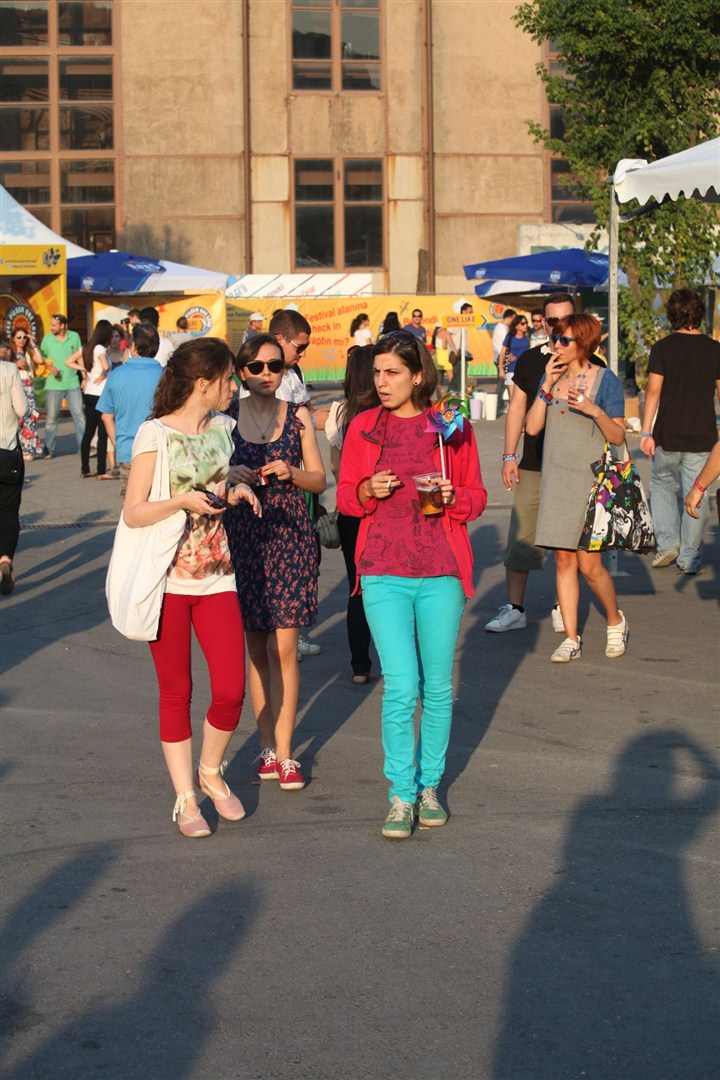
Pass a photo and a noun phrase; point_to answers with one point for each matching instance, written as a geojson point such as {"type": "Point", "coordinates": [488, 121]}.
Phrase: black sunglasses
{"type": "Point", "coordinates": [551, 322]}
{"type": "Point", "coordinates": [300, 349]}
{"type": "Point", "coordinates": [396, 335]}
{"type": "Point", "coordinates": [561, 339]}
{"type": "Point", "coordinates": [256, 367]}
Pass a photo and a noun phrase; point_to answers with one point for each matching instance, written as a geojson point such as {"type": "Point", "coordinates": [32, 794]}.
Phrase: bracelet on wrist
{"type": "Point", "coordinates": [646, 434]}
{"type": "Point", "coordinates": [547, 398]}
{"type": "Point", "coordinates": [509, 457]}
{"type": "Point", "coordinates": [699, 486]}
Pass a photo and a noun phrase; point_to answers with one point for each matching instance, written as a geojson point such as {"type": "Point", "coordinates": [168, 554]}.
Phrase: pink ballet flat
{"type": "Point", "coordinates": [226, 804]}
{"type": "Point", "coordinates": [192, 825]}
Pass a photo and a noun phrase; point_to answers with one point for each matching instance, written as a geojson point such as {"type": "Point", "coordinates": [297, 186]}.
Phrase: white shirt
{"type": "Point", "coordinates": [13, 404]}
{"type": "Point", "coordinates": [500, 332]}
{"type": "Point", "coordinates": [165, 351]}
{"type": "Point", "coordinates": [95, 383]}
{"type": "Point", "coordinates": [363, 336]}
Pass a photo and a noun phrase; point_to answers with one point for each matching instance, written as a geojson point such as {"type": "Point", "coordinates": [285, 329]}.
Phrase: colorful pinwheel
{"type": "Point", "coordinates": [444, 418]}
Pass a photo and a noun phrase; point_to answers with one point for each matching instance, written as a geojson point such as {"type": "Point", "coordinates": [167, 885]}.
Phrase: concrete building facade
{"type": "Point", "coordinates": [267, 136]}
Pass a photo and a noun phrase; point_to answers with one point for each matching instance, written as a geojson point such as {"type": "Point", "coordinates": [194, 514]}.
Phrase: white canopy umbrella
{"type": "Point", "coordinates": [18, 226]}
{"type": "Point", "coordinates": [694, 172]}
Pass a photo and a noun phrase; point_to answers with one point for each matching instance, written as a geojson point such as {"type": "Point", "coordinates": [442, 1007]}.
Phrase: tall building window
{"type": "Point", "coordinates": [336, 45]}
{"type": "Point", "coordinates": [58, 134]}
{"type": "Point", "coordinates": [564, 205]}
{"type": "Point", "coordinates": [339, 210]}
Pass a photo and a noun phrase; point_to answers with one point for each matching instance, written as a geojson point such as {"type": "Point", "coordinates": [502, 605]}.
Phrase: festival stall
{"type": "Point", "coordinates": [115, 281]}
{"type": "Point", "coordinates": [32, 270]}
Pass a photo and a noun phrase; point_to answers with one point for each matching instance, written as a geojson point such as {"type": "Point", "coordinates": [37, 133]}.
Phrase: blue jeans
{"type": "Point", "coordinates": [672, 477]}
{"type": "Point", "coordinates": [414, 623]}
{"type": "Point", "coordinates": [53, 401]}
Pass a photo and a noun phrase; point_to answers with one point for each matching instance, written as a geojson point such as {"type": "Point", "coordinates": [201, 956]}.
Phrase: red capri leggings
{"type": "Point", "coordinates": [218, 627]}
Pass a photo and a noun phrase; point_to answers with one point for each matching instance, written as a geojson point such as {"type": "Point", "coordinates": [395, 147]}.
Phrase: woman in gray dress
{"type": "Point", "coordinates": [582, 408]}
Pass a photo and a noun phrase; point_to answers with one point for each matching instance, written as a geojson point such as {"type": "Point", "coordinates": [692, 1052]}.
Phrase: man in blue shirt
{"type": "Point", "coordinates": [127, 397]}
{"type": "Point", "coordinates": [416, 327]}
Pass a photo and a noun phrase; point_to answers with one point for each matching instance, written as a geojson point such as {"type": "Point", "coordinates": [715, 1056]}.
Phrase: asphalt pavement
{"type": "Point", "coordinates": [562, 925]}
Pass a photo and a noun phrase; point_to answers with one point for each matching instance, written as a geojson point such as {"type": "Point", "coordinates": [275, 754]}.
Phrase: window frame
{"type": "Point", "coordinates": [57, 158]}
{"type": "Point", "coordinates": [552, 204]}
{"type": "Point", "coordinates": [336, 60]}
{"type": "Point", "coordinates": [339, 162]}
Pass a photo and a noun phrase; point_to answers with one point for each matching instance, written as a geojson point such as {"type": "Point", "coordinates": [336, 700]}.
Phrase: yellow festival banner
{"type": "Point", "coordinates": [330, 319]}
{"type": "Point", "coordinates": [205, 312]}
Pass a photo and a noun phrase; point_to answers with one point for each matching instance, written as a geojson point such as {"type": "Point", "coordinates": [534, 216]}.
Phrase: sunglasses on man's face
{"type": "Point", "coordinates": [561, 339]}
{"type": "Point", "coordinates": [256, 367]}
{"type": "Point", "coordinates": [300, 349]}
{"type": "Point", "coordinates": [537, 319]}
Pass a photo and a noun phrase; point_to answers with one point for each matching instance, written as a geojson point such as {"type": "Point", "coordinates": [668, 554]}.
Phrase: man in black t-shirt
{"type": "Point", "coordinates": [684, 376]}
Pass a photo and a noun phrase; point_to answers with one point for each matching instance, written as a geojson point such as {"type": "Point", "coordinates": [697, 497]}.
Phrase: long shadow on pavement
{"type": "Point", "coordinates": [609, 978]}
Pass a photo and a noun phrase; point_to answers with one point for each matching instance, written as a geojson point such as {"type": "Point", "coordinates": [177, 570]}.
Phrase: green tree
{"type": "Point", "coordinates": [639, 79]}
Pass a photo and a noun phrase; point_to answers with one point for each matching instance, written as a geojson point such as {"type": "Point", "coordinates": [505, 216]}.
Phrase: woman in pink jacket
{"type": "Point", "coordinates": [415, 567]}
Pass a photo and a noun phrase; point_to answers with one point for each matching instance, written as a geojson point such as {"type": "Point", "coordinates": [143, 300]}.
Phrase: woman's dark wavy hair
{"type": "Point", "coordinates": [249, 349]}
{"type": "Point", "coordinates": [358, 321]}
{"type": "Point", "coordinates": [203, 358]}
{"type": "Point", "coordinates": [416, 357]}
{"type": "Point", "coordinates": [101, 335]}
{"type": "Point", "coordinates": [685, 309]}
{"type": "Point", "coordinates": [391, 323]}
{"type": "Point", "coordinates": [359, 386]}
{"type": "Point", "coordinates": [515, 323]}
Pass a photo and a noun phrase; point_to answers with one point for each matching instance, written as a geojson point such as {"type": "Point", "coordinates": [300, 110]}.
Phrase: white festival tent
{"type": "Point", "coordinates": [18, 226]}
{"type": "Point", "coordinates": [694, 173]}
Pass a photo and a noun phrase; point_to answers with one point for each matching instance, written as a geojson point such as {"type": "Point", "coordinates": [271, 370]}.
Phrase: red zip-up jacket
{"type": "Point", "coordinates": [361, 451]}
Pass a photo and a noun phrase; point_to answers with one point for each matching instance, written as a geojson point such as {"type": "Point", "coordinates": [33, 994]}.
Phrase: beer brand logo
{"type": "Point", "coordinates": [20, 317]}
{"type": "Point", "coordinates": [199, 321]}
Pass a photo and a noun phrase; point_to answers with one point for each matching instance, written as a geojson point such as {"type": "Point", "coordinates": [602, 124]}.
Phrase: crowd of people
{"type": "Point", "coordinates": [238, 436]}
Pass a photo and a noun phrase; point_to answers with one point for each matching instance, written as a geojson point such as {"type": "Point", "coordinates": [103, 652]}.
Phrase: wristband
{"type": "Point", "coordinates": [699, 486]}
{"type": "Point", "coordinates": [547, 398]}
{"type": "Point", "coordinates": [646, 434]}
{"type": "Point", "coordinates": [509, 457]}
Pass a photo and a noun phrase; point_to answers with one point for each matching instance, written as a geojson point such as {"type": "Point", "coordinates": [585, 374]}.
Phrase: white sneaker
{"type": "Point", "coordinates": [307, 648]}
{"type": "Point", "coordinates": [664, 558]}
{"type": "Point", "coordinates": [507, 618]}
{"type": "Point", "coordinates": [617, 638]}
{"type": "Point", "coordinates": [557, 620]}
{"type": "Point", "coordinates": [568, 650]}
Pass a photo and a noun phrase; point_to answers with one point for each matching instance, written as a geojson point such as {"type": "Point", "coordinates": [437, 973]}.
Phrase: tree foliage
{"type": "Point", "coordinates": [639, 79]}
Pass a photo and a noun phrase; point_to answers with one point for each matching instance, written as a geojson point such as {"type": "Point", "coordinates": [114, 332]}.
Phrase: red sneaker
{"type": "Point", "coordinates": [268, 767]}
{"type": "Point", "coordinates": [291, 779]}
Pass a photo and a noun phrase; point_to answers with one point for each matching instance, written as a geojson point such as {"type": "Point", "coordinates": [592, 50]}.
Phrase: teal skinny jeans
{"type": "Point", "coordinates": [414, 623]}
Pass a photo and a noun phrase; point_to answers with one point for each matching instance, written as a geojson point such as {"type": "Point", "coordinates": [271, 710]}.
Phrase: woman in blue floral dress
{"type": "Point", "coordinates": [275, 556]}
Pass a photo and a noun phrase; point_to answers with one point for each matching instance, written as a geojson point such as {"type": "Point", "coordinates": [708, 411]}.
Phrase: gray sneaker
{"type": "Point", "coordinates": [429, 810]}
{"type": "Point", "coordinates": [507, 618]}
{"type": "Point", "coordinates": [399, 822]}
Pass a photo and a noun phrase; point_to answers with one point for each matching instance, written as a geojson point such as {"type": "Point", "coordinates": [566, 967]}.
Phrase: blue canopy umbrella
{"type": "Point", "coordinates": [113, 272]}
{"type": "Point", "coordinates": [568, 268]}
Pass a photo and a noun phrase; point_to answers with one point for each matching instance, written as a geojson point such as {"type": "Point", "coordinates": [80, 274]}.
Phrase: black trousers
{"type": "Point", "coordinates": [93, 423]}
{"type": "Point", "coordinates": [358, 631]}
{"type": "Point", "coordinates": [10, 497]}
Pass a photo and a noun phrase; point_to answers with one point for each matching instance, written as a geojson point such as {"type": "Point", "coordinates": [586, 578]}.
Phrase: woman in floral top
{"type": "Point", "coordinates": [201, 593]}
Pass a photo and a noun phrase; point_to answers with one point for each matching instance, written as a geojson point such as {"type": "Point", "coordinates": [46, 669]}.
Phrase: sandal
{"type": "Point", "coordinates": [226, 804]}
{"type": "Point", "coordinates": [192, 825]}
{"type": "Point", "coordinates": [105, 476]}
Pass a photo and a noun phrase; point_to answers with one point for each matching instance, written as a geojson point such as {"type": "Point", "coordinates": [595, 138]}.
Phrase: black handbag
{"type": "Point", "coordinates": [11, 466]}
{"type": "Point", "coordinates": [617, 515]}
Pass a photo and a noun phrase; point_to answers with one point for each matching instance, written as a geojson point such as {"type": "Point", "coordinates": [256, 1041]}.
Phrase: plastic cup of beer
{"type": "Point", "coordinates": [429, 493]}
